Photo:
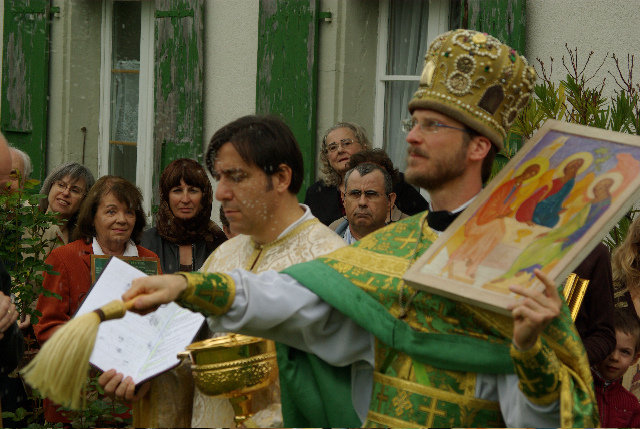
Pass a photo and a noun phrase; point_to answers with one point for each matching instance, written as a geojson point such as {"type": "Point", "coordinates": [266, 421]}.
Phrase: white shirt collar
{"type": "Point", "coordinates": [460, 208]}
{"type": "Point", "coordinates": [130, 250]}
{"type": "Point", "coordinates": [348, 238]}
{"type": "Point", "coordinates": [305, 217]}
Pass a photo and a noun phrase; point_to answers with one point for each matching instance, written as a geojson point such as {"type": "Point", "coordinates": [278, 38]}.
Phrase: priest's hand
{"type": "Point", "coordinates": [157, 290]}
{"type": "Point", "coordinates": [533, 313]}
{"type": "Point", "coordinates": [123, 389]}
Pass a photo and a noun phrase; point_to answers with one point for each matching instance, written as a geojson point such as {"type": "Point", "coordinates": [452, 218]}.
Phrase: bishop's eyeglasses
{"type": "Point", "coordinates": [429, 126]}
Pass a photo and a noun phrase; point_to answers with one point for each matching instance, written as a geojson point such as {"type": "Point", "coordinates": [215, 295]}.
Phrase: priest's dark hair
{"type": "Point", "coordinates": [265, 141]}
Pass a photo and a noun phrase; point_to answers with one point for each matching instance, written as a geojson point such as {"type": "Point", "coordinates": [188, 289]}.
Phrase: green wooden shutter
{"type": "Point", "coordinates": [288, 69]}
{"type": "Point", "coordinates": [178, 84]}
{"type": "Point", "coordinates": [25, 79]}
{"type": "Point", "coordinates": [503, 19]}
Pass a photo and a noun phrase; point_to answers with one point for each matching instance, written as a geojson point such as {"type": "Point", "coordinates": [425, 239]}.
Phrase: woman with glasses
{"type": "Point", "coordinates": [339, 143]}
{"type": "Point", "coordinates": [65, 188]}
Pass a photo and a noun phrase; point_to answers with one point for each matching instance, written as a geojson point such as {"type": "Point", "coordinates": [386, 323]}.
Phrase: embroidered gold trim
{"type": "Point", "coordinates": [432, 392]}
{"type": "Point", "coordinates": [259, 252]}
{"type": "Point", "coordinates": [503, 324]}
{"type": "Point", "coordinates": [527, 359]}
{"type": "Point", "coordinates": [207, 306]}
{"type": "Point", "coordinates": [566, 404]}
{"type": "Point", "coordinates": [526, 354]}
{"type": "Point", "coordinates": [293, 232]}
{"type": "Point", "coordinates": [390, 422]}
{"type": "Point", "coordinates": [189, 291]}
{"type": "Point", "coordinates": [385, 265]}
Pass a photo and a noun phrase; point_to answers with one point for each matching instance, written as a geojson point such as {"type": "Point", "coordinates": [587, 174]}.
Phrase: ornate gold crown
{"type": "Point", "coordinates": [477, 80]}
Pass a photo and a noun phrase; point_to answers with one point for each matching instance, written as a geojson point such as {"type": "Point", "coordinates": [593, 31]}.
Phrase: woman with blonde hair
{"type": "Point", "coordinates": [626, 269]}
{"type": "Point", "coordinates": [339, 143]}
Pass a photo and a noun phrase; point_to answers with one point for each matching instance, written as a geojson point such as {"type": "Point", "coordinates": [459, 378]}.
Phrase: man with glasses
{"type": "Point", "coordinates": [368, 200]}
{"type": "Point", "coordinates": [341, 143]}
{"type": "Point", "coordinates": [436, 362]}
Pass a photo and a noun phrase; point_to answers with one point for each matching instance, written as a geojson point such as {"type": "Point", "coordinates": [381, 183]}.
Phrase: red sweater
{"type": "Point", "coordinates": [618, 408]}
{"type": "Point", "coordinates": [73, 262]}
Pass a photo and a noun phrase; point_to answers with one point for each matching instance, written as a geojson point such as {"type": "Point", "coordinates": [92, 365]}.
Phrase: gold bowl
{"type": "Point", "coordinates": [233, 365]}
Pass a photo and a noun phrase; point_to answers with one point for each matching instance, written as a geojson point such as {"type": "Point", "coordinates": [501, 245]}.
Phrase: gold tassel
{"type": "Point", "coordinates": [59, 370]}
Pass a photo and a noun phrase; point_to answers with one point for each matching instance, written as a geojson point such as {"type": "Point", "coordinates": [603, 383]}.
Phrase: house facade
{"type": "Point", "coordinates": [127, 86]}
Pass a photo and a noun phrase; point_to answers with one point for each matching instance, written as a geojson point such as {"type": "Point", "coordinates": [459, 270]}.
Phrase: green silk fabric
{"type": "Point", "coordinates": [363, 282]}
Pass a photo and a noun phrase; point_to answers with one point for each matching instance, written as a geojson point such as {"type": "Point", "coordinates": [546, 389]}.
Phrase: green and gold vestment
{"type": "Point", "coordinates": [427, 363]}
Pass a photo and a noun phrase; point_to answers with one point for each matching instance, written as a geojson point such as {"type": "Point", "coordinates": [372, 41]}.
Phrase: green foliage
{"type": "Point", "coordinates": [35, 418]}
{"type": "Point", "coordinates": [99, 411]}
{"type": "Point", "coordinates": [619, 232]}
{"type": "Point", "coordinates": [22, 248]}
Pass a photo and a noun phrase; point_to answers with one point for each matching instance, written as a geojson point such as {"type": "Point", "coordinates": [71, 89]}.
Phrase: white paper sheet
{"type": "Point", "coordinates": [138, 346]}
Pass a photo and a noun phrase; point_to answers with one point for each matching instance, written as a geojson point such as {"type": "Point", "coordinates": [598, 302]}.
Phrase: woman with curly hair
{"type": "Point", "coordinates": [339, 143]}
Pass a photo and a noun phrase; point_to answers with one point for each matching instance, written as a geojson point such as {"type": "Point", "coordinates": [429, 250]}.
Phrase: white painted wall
{"type": "Point", "coordinates": [347, 52]}
{"type": "Point", "coordinates": [74, 84]}
{"type": "Point", "coordinates": [590, 25]}
{"type": "Point", "coordinates": [230, 62]}
{"type": "Point", "coordinates": [230, 65]}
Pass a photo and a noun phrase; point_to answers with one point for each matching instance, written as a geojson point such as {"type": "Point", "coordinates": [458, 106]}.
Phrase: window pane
{"type": "Point", "coordinates": [125, 74]}
{"type": "Point", "coordinates": [398, 94]}
{"type": "Point", "coordinates": [408, 43]}
{"type": "Point", "coordinates": [126, 30]}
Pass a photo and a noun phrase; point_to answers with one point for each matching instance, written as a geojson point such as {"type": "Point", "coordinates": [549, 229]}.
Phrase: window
{"type": "Point", "coordinates": [407, 28]}
{"type": "Point", "coordinates": [126, 114]}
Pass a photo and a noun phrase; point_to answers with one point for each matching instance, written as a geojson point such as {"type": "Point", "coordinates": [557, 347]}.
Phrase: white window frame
{"type": "Point", "coordinates": [144, 155]}
{"type": "Point", "coordinates": [438, 24]}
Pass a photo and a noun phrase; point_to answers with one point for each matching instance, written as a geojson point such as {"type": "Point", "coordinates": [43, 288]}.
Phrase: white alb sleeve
{"type": "Point", "coordinates": [517, 410]}
{"type": "Point", "coordinates": [275, 306]}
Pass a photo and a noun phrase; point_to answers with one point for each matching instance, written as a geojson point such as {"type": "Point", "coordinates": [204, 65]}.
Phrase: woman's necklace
{"type": "Point", "coordinates": [405, 307]}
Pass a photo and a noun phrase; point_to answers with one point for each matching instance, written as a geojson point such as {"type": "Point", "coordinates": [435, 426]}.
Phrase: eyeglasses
{"type": "Point", "coordinates": [429, 126]}
{"type": "Point", "coordinates": [75, 191]}
{"type": "Point", "coordinates": [356, 194]}
{"type": "Point", "coordinates": [345, 143]}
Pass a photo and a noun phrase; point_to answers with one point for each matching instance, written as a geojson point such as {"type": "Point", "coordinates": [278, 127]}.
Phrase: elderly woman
{"type": "Point", "coordinates": [339, 143]}
{"type": "Point", "coordinates": [65, 188]}
{"type": "Point", "coordinates": [184, 235]}
{"type": "Point", "coordinates": [110, 222]}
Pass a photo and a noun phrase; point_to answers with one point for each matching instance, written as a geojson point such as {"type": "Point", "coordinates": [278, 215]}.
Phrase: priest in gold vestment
{"type": "Point", "coordinates": [433, 361]}
{"type": "Point", "coordinates": [276, 232]}
{"type": "Point", "coordinates": [304, 240]}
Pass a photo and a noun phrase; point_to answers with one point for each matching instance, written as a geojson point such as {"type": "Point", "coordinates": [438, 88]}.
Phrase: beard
{"type": "Point", "coordinates": [443, 170]}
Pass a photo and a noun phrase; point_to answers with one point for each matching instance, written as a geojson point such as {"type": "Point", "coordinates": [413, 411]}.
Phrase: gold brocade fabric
{"type": "Point", "coordinates": [557, 368]}
{"type": "Point", "coordinates": [305, 242]}
{"type": "Point", "coordinates": [411, 394]}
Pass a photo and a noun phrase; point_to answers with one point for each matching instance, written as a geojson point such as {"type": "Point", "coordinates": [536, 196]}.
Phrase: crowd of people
{"type": "Point", "coordinates": [355, 344]}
